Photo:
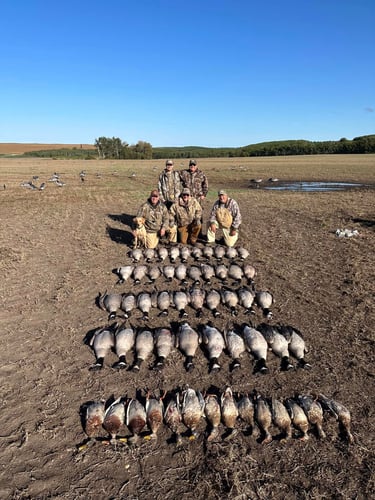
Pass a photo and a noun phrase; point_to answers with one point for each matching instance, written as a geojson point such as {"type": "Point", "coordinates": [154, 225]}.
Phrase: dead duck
{"type": "Point", "coordinates": [163, 340]}
{"type": "Point", "coordinates": [94, 418]}
{"type": "Point", "coordinates": [249, 272]}
{"type": "Point", "coordinates": [235, 272]}
{"type": "Point", "coordinates": [114, 418]}
{"type": "Point", "coordinates": [124, 273]}
{"type": "Point", "coordinates": [219, 252]}
{"type": "Point", "coordinates": [296, 344]}
{"type": "Point", "coordinates": [243, 253]}
{"type": "Point", "coordinates": [110, 302]}
{"type": "Point", "coordinates": [221, 272]}
{"type": "Point", "coordinates": [208, 272]}
{"type": "Point", "coordinates": [180, 273]}
{"type": "Point", "coordinates": [197, 299]}
{"type": "Point", "coordinates": [264, 300]}
{"type": "Point", "coordinates": [263, 417]}
{"type": "Point", "coordinates": [173, 417]}
{"type": "Point", "coordinates": [174, 254]}
{"type": "Point", "coordinates": [214, 345]}
{"type": "Point", "coordinates": [298, 417]}
{"type": "Point", "coordinates": [128, 303]}
{"type": "Point", "coordinates": [230, 299]}
{"type": "Point", "coordinates": [229, 411]}
{"type": "Point", "coordinates": [341, 414]}
{"type": "Point", "coordinates": [235, 345]}
{"type": "Point", "coordinates": [124, 343]}
{"type": "Point", "coordinates": [314, 412]}
{"type": "Point", "coordinates": [136, 255]}
{"type": "Point", "coordinates": [144, 304]}
{"type": "Point", "coordinates": [140, 271]}
{"type": "Point", "coordinates": [213, 299]}
{"type": "Point", "coordinates": [168, 271]}
{"type": "Point", "coordinates": [257, 345]}
{"type": "Point", "coordinates": [144, 346]}
{"type": "Point", "coordinates": [184, 253]}
{"type": "Point", "coordinates": [195, 273]}
{"type": "Point", "coordinates": [246, 412]}
{"type": "Point", "coordinates": [154, 414]}
{"type": "Point", "coordinates": [102, 342]}
{"type": "Point", "coordinates": [180, 301]}
{"type": "Point", "coordinates": [246, 298]}
{"type": "Point", "coordinates": [192, 410]}
{"type": "Point", "coordinates": [153, 273]}
{"type": "Point", "coordinates": [281, 418]}
{"type": "Point", "coordinates": [162, 254]}
{"type": "Point", "coordinates": [212, 413]}
{"type": "Point", "coordinates": [277, 343]}
{"type": "Point", "coordinates": [135, 419]}
{"type": "Point", "coordinates": [187, 340]}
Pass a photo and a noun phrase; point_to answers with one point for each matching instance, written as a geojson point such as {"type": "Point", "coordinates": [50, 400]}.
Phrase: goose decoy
{"type": "Point", "coordinates": [341, 414]}
{"type": "Point", "coordinates": [263, 417]}
{"type": "Point", "coordinates": [298, 417]}
{"type": "Point", "coordinates": [180, 301]}
{"type": "Point", "coordinates": [144, 346]}
{"type": "Point", "coordinates": [212, 413]}
{"type": "Point", "coordinates": [192, 406]}
{"type": "Point", "coordinates": [128, 303]}
{"type": "Point", "coordinates": [135, 419]}
{"type": "Point", "coordinates": [102, 342]}
{"type": "Point", "coordinates": [124, 343]}
{"type": "Point", "coordinates": [196, 299]}
{"type": "Point", "coordinates": [144, 304]}
{"type": "Point", "coordinates": [235, 345]}
{"type": "Point", "coordinates": [277, 343]}
{"type": "Point", "coordinates": [114, 418]}
{"type": "Point", "coordinates": [110, 302]}
{"type": "Point", "coordinates": [257, 345]}
{"type": "Point", "coordinates": [229, 411]}
{"type": "Point", "coordinates": [281, 418]}
{"type": "Point", "coordinates": [264, 299]}
{"type": "Point", "coordinates": [173, 417]}
{"type": "Point", "coordinates": [213, 299]}
{"type": "Point", "coordinates": [214, 345]}
{"type": "Point", "coordinates": [124, 273]}
{"type": "Point", "coordinates": [154, 414]}
{"type": "Point", "coordinates": [314, 412]}
{"type": "Point", "coordinates": [163, 340]}
{"type": "Point", "coordinates": [296, 344]}
{"type": "Point", "coordinates": [187, 340]}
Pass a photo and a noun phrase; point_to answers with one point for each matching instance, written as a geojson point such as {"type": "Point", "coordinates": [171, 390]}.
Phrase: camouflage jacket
{"type": "Point", "coordinates": [186, 213]}
{"type": "Point", "coordinates": [169, 185]}
{"type": "Point", "coordinates": [156, 216]}
{"type": "Point", "coordinates": [195, 181]}
{"type": "Point", "coordinates": [233, 208]}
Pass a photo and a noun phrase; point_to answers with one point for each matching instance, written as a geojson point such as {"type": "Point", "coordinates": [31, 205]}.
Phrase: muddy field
{"type": "Point", "coordinates": [58, 248]}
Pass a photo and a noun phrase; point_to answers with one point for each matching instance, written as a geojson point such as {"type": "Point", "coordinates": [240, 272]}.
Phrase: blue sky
{"type": "Point", "coordinates": [181, 73]}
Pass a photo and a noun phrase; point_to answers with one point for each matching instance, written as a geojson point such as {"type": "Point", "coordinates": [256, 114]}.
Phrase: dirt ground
{"type": "Point", "coordinates": [58, 248]}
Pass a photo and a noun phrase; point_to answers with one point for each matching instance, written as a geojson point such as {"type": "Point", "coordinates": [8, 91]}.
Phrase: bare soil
{"type": "Point", "coordinates": [58, 248]}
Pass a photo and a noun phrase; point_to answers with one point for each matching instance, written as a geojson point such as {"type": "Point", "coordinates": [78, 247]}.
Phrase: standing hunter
{"type": "Point", "coordinates": [195, 180]}
{"type": "Point", "coordinates": [169, 184]}
{"type": "Point", "coordinates": [226, 215]}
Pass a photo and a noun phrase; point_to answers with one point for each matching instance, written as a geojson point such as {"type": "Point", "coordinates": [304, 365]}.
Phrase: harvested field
{"type": "Point", "coordinates": [58, 248]}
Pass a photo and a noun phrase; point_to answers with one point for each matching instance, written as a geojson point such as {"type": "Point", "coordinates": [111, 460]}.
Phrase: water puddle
{"type": "Point", "coordinates": [312, 186]}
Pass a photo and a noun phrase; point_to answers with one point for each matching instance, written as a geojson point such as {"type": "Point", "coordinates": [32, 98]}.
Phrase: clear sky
{"type": "Point", "coordinates": [181, 73]}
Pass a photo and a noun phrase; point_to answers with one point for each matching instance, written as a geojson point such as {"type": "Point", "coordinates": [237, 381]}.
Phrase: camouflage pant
{"type": "Point", "coordinates": [229, 240]}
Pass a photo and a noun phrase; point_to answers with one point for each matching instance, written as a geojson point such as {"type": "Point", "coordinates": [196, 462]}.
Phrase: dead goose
{"type": "Point", "coordinates": [219, 252]}
{"type": "Point", "coordinates": [154, 414]}
{"type": "Point", "coordinates": [149, 254]}
{"type": "Point", "coordinates": [136, 254]}
{"type": "Point", "coordinates": [281, 418]}
{"type": "Point", "coordinates": [184, 254]}
{"type": "Point", "coordinates": [264, 300]}
{"type": "Point", "coordinates": [187, 340]}
{"type": "Point", "coordinates": [235, 346]}
{"type": "Point", "coordinates": [144, 304]}
{"type": "Point", "coordinates": [180, 273]}
{"type": "Point", "coordinates": [114, 418]}
{"type": "Point", "coordinates": [174, 254]}
{"type": "Point", "coordinates": [263, 417]}
{"type": "Point", "coordinates": [110, 302]}
{"type": "Point", "coordinates": [314, 412]}
{"type": "Point", "coordinates": [221, 272]}
{"type": "Point", "coordinates": [128, 303]}
{"type": "Point", "coordinates": [195, 273]}
{"type": "Point", "coordinates": [298, 417]}
{"type": "Point", "coordinates": [135, 419]}
{"type": "Point", "coordinates": [172, 416]}
{"type": "Point", "coordinates": [153, 273]}
{"type": "Point", "coordinates": [235, 272]}
{"type": "Point", "coordinates": [163, 340]}
{"type": "Point", "coordinates": [168, 271]}
{"type": "Point", "coordinates": [277, 343]}
{"type": "Point", "coordinates": [230, 299]}
{"type": "Point", "coordinates": [124, 273]}
{"type": "Point", "coordinates": [214, 345]}
{"type": "Point", "coordinates": [296, 344]}
{"type": "Point", "coordinates": [192, 405]}
{"type": "Point", "coordinates": [139, 273]}
{"type": "Point", "coordinates": [231, 252]}
{"type": "Point", "coordinates": [208, 252]}
{"type": "Point", "coordinates": [102, 342]}
{"type": "Point", "coordinates": [243, 253]}
{"type": "Point", "coordinates": [212, 412]}
{"type": "Point", "coordinates": [162, 254]}
{"type": "Point", "coordinates": [213, 299]}
{"type": "Point", "coordinates": [144, 345]}
{"type": "Point", "coordinates": [94, 418]}
{"type": "Point", "coordinates": [161, 300]}
{"type": "Point", "coordinates": [246, 298]}
{"type": "Point", "coordinates": [197, 253]}
{"type": "Point", "coordinates": [207, 272]}
{"type": "Point", "coordinates": [246, 412]}
{"type": "Point", "coordinates": [196, 300]}
{"type": "Point", "coordinates": [257, 345]}
{"type": "Point", "coordinates": [124, 343]}
{"type": "Point", "coordinates": [229, 411]}
{"type": "Point", "coordinates": [180, 301]}
{"type": "Point", "coordinates": [249, 272]}
{"type": "Point", "coordinates": [341, 414]}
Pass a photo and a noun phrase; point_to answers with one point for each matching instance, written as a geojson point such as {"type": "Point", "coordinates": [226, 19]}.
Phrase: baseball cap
{"type": "Point", "coordinates": [169, 162]}
{"type": "Point", "coordinates": [186, 191]}
{"type": "Point", "coordinates": [154, 192]}
{"type": "Point", "coordinates": [222, 191]}
{"type": "Point", "coordinates": [192, 162]}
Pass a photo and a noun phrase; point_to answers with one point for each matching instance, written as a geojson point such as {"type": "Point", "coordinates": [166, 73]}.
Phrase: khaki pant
{"type": "Point", "coordinates": [229, 240]}
{"type": "Point", "coordinates": [189, 234]}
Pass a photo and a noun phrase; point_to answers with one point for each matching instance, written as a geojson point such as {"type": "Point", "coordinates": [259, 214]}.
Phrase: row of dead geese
{"type": "Point", "coordinates": [182, 273]}
{"type": "Point", "coordinates": [195, 297]}
{"type": "Point", "coordinates": [284, 341]}
{"type": "Point", "coordinates": [185, 252]}
{"type": "Point", "coordinates": [188, 407]}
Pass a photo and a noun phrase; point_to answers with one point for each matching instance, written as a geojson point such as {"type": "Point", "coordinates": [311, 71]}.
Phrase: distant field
{"type": "Point", "coordinates": [20, 148]}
